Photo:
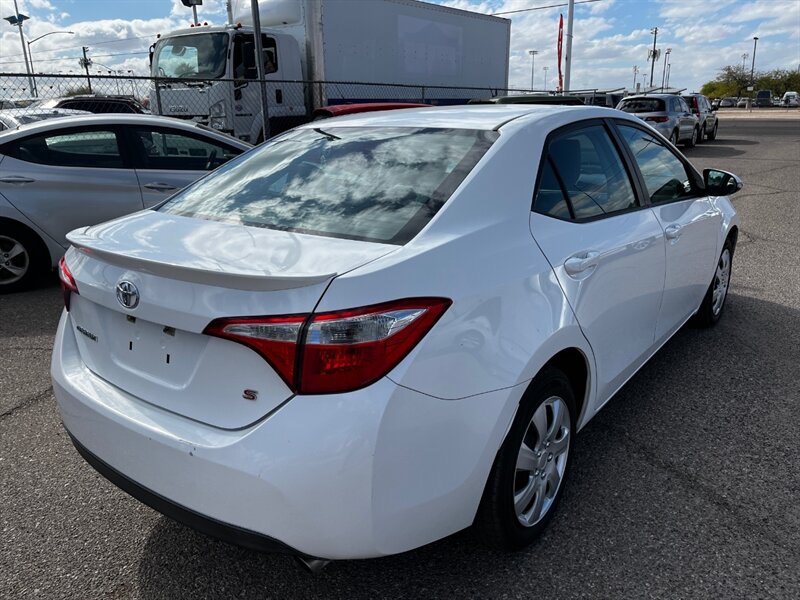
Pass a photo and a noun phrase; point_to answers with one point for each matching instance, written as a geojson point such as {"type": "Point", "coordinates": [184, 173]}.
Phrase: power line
{"type": "Point", "coordinates": [510, 12]}
{"type": "Point", "coordinates": [17, 62]}
{"type": "Point", "coordinates": [61, 49]}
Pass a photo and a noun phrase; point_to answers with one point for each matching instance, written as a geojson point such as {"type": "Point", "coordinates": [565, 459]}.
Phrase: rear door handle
{"type": "Point", "coordinates": [581, 263]}
{"type": "Point", "coordinates": [673, 232]}
{"type": "Point", "coordinates": [16, 180]}
{"type": "Point", "coordinates": [160, 187]}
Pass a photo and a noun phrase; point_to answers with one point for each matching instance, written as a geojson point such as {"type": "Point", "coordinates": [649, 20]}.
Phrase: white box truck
{"type": "Point", "coordinates": [320, 52]}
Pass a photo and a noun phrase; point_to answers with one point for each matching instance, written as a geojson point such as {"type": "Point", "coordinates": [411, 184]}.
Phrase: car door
{"type": "Point", "coordinates": [66, 178]}
{"type": "Point", "coordinates": [691, 222]}
{"type": "Point", "coordinates": [688, 120]}
{"type": "Point", "coordinates": [168, 159]}
{"type": "Point", "coordinates": [606, 249]}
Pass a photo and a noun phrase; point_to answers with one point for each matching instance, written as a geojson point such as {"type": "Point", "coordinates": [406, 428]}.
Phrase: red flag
{"type": "Point", "coordinates": [560, 38]}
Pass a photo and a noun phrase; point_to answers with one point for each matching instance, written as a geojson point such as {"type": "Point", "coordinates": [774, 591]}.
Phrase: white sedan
{"type": "Point", "coordinates": [369, 334]}
{"type": "Point", "coordinates": [62, 173]}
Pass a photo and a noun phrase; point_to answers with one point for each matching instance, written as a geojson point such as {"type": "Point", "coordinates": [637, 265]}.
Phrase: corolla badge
{"type": "Point", "coordinates": [127, 294]}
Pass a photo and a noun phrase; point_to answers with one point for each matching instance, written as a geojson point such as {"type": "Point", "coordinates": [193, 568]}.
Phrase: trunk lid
{"type": "Point", "coordinates": [188, 272]}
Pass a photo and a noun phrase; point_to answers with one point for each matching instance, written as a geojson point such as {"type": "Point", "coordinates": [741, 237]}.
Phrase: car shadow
{"type": "Point", "coordinates": [612, 511]}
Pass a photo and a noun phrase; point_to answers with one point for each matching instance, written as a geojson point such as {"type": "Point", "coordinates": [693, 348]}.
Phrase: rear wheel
{"type": "Point", "coordinates": [528, 475]}
{"type": "Point", "coordinates": [712, 135]}
{"type": "Point", "coordinates": [710, 310]}
{"type": "Point", "coordinates": [673, 139]}
{"type": "Point", "coordinates": [20, 259]}
{"type": "Point", "coordinates": [692, 141]}
{"type": "Point", "coordinates": [702, 135]}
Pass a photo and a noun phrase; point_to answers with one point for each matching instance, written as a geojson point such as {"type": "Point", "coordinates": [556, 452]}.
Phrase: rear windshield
{"type": "Point", "coordinates": [642, 105]}
{"type": "Point", "coordinates": [373, 184]}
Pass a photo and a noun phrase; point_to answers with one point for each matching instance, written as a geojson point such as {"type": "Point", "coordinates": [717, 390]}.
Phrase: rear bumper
{"type": "Point", "coordinates": [375, 472]}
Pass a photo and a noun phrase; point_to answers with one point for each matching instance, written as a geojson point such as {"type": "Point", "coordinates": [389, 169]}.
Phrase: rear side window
{"type": "Point", "coordinates": [96, 148]}
{"type": "Point", "coordinates": [374, 184]}
{"type": "Point", "coordinates": [171, 150]}
{"type": "Point", "coordinates": [590, 172]}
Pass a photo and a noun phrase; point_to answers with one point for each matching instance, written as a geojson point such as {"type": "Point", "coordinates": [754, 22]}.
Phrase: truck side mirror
{"type": "Point", "coordinates": [249, 59]}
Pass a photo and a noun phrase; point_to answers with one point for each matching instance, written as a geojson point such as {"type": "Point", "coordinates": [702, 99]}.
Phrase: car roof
{"type": "Point", "coordinates": [119, 119]}
{"type": "Point", "coordinates": [463, 116]}
{"type": "Point", "coordinates": [657, 96]}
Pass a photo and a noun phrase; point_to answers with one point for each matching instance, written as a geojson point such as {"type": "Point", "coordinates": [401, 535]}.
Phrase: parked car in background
{"type": "Point", "coordinates": [790, 99]}
{"type": "Point", "coordinates": [59, 174]}
{"type": "Point", "coordinates": [705, 113]}
{"type": "Point", "coordinates": [666, 113]}
{"type": "Point", "coordinates": [742, 103]}
{"type": "Point", "coordinates": [715, 103]}
{"type": "Point", "coordinates": [338, 110]}
{"type": "Point", "coordinates": [530, 99]}
{"type": "Point", "coordinates": [95, 103]}
{"type": "Point", "coordinates": [13, 118]}
{"type": "Point", "coordinates": [763, 98]}
{"type": "Point", "coordinates": [729, 102]}
{"type": "Point", "coordinates": [274, 357]}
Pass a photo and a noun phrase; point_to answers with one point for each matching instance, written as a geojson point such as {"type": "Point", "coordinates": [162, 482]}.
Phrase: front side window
{"type": "Point", "coordinates": [193, 56]}
{"type": "Point", "coordinates": [374, 184]}
{"type": "Point", "coordinates": [591, 173]}
{"type": "Point", "coordinates": [171, 150]}
{"type": "Point", "coordinates": [243, 52]}
{"type": "Point", "coordinates": [665, 176]}
{"type": "Point", "coordinates": [96, 148]}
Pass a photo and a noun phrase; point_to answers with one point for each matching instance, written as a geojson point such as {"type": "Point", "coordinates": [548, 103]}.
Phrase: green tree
{"type": "Point", "coordinates": [734, 80]}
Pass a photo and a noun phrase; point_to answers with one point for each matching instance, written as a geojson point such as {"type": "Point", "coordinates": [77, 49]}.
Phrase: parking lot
{"type": "Point", "coordinates": [685, 486]}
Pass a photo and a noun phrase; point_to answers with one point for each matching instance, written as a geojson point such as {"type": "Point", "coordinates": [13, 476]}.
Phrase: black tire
{"type": "Point", "coordinates": [497, 523]}
{"type": "Point", "coordinates": [702, 135]}
{"type": "Point", "coordinates": [712, 135]}
{"type": "Point", "coordinates": [31, 260]}
{"type": "Point", "coordinates": [673, 139]}
{"type": "Point", "coordinates": [710, 311]}
{"type": "Point", "coordinates": [692, 141]}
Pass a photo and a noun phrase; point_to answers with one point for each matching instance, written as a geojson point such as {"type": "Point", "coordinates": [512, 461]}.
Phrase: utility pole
{"type": "Point", "coordinates": [654, 31]}
{"type": "Point", "coordinates": [744, 58]}
{"type": "Point", "coordinates": [568, 58]}
{"type": "Point", "coordinates": [533, 54]}
{"type": "Point", "coordinates": [85, 63]}
{"type": "Point", "coordinates": [545, 77]}
{"type": "Point", "coordinates": [664, 71]}
{"type": "Point", "coordinates": [17, 20]}
{"type": "Point", "coordinates": [262, 84]}
{"type": "Point", "coordinates": [635, 73]}
{"type": "Point", "coordinates": [752, 67]}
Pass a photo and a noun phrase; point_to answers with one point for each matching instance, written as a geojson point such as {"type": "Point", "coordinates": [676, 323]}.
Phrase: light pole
{"type": "Point", "coordinates": [635, 73]}
{"type": "Point", "coordinates": [744, 59]}
{"type": "Point", "coordinates": [654, 31]}
{"type": "Point", "coordinates": [113, 72]}
{"type": "Point", "coordinates": [752, 67]}
{"type": "Point", "coordinates": [30, 55]}
{"type": "Point", "coordinates": [17, 19]}
{"type": "Point", "coordinates": [545, 77]}
{"type": "Point", "coordinates": [533, 54]}
{"type": "Point", "coordinates": [664, 72]}
{"type": "Point", "coordinates": [669, 68]}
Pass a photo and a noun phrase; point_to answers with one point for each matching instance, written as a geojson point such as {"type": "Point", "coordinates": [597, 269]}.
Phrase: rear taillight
{"type": "Point", "coordinates": [657, 119]}
{"type": "Point", "coordinates": [68, 285]}
{"type": "Point", "coordinates": [338, 351]}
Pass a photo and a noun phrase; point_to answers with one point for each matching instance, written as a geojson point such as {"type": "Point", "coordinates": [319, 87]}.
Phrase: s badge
{"type": "Point", "coordinates": [250, 395]}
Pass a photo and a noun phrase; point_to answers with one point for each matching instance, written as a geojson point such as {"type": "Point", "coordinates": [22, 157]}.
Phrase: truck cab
{"type": "Point", "coordinates": [209, 74]}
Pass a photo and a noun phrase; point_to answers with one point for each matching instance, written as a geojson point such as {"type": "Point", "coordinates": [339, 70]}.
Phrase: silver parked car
{"type": "Point", "coordinates": [666, 113]}
{"type": "Point", "coordinates": [61, 174]}
{"type": "Point", "coordinates": [707, 114]}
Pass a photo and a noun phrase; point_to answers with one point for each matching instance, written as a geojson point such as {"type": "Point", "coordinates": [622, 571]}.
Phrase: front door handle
{"type": "Point", "coordinates": [673, 232]}
{"type": "Point", "coordinates": [581, 263]}
{"type": "Point", "coordinates": [16, 180]}
{"type": "Point", "coordinates": [160, 187]}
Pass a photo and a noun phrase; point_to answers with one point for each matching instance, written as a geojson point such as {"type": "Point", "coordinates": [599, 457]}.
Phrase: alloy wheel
{"type": "Point", "coordinates": [14, 260]}
{"type": "Point", "coordinates": [541, 461]}
{"type": "Point", "coordinates": [722, 279]}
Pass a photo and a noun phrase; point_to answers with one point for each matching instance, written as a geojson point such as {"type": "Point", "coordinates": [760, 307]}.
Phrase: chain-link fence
{"type": "Point", "coordinates": [233, 106]}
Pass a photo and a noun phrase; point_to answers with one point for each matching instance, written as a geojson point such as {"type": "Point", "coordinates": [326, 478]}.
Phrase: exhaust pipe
{"type": "Point", "coordinates": [312, 565]}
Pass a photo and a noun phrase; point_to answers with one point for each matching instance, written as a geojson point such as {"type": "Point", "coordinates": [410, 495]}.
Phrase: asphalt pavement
{"type": "Point", "coordinates": [686, 485]}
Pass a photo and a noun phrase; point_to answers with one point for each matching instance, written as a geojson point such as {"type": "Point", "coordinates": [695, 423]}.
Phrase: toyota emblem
{"type": "Point", "coordinates": [127, 294]}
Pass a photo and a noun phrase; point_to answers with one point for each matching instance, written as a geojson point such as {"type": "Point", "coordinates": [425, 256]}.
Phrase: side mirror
{"type": "Point", "coordinates": [721, 183]}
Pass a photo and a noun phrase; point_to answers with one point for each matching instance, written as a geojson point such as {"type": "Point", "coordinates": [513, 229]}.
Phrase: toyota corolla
{"type": "Point", "coordinates": [364, 336]}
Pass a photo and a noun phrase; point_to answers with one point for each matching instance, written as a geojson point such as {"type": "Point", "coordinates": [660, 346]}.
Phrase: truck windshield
{"type": "Point", "coordinates": [362, 183]}
{"type": "Point", "coordinates": [194, 56]}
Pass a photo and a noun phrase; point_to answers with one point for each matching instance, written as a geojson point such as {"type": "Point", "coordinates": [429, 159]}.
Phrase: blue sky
{"type": "Point", "coordinates": [611, 36]}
